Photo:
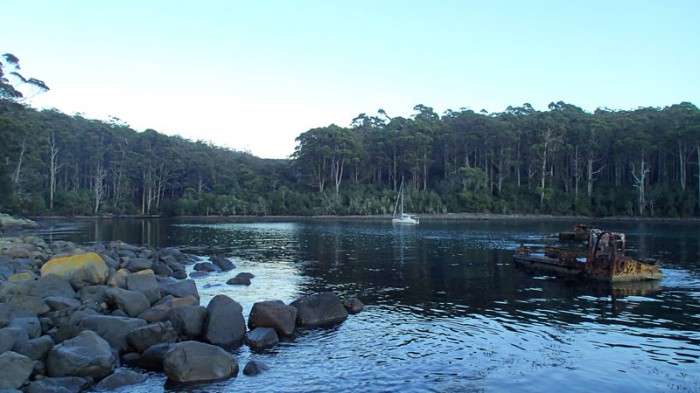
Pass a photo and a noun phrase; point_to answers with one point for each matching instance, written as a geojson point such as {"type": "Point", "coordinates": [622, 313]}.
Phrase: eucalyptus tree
{"type": "Point", "coordinates": [14, 86]}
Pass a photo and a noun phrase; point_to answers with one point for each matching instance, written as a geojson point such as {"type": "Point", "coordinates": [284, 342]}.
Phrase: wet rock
{"type": "Point", "coordinates": [254, 367]}
{"type": "Point", "coordinates": [193, 361]}
{"type": "Point", "coordinates": [241, 279]}
{"type": "Point", "coordinates": [159, 311]}
{"type": "Point", "coordinates": [146, 283]}
{"type": "Point", "coordinates": [152, 358]}
{"type": "Point", "coordinates": [321, 309]}
{"type": "Point", "coordinates": [80, 270]}
{"type": "Point", "coordinates": [59, 385]}
{"type": "Point", "coordinates": [206, 267]}
{"type": "Point", "coordinates": [224, 325]}
{"type": "Point", "coordinates": [15, 370]}
{"type": "Point", "coordinates": [120, 379]}
{"type": "Point", "coordinates": [146, 336]}
{"type": "Point", "coordinates": [273, 314]}
{"type": "Point", "coordinates": [223, 263]}
{"type": "Point", "coordinates": [181, 288]}
{"type": "Point", "coordinates": [196, 275]}
{"type": "Point", "coordinates": [132, 302]}
{"type": "Point", "coordinates": [261, 338]}
{"type": "Point", "coordinates": [353, 305]}
{"type": "Point", "coordinates": [188, 321]}
{"type": "Point", "coordinates": [86, 355]}
{"type": "Point", "coordinates": [113, 329]}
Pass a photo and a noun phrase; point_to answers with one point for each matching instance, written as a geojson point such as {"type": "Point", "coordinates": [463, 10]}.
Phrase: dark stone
{"type": "Point", "coordinates": [31, 325]}
{"type": "Point", "coordinates": [196, 275]}
{"type": "Point", "coordinates": [254, 367]}
{"type": "Point", "coordinates": [86, 355]}
{"type": "Point", "coordinates": [224, 325]}
{"type": "Point", "coordinates": [193, 361]}
{"type": "Point", "coordinates": [15, 370]}
{"type": "Point", "coordinates": [146, 336]}
{"type": "Point", "coordinates": [182, 288]}
{"type": "Point", "coordinates": [188, 321]}
{"type": "Point", "coordinates": [120, 379]}
{"type": "Point", "coordinates": [51, 285]}
{"type": "Point", "coordinates": [240, 279]}
{"type": "Point", "coordinates": [206, 267]}
{"type": "Point", "coordinates": [61, 303]}
{"type": "Point", "coordinates": [11, 337]}
{"type": "Point", "coordinates": [321, 309]}
{"type": "Point", "coordinates": [223, 263]}
{"type": "Point", "coordinates": [35, 304]}
{"type": "Point", "coordinates": [162, 269]}
{"type": "Point", "coordinates": [132, 302]}
{"type": "Point", "coordinates": [145, 283]}
{"type": "Point", "coordinates": [113, 329]}
{"type": "Point", "coordinates": [136, 264]}
{"type": "Point", "coordinates": [179, 275]}
{"type": "Point", "coordinates": [59, 385]}
{"type": "Point", "coordinates": [159, 311]}
{"type": "Point", "coordinates": [94, 294]}
{"type": "Point", "coordinates": [261, 338]}
{"type": "Point", "coordinates": [152, 357]}
{"type": "Point", "coordinates": [36, 348]}
{"type": "Point", "coordinates": [353, 305]}
{"type": "Point", "coordinates": [9, 312]}
{"type": "Point", "coordinates": [273, 314]}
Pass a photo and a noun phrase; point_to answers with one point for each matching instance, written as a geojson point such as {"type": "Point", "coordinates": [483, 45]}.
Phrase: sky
{"type": "Point", "coordinates": [254, 75]}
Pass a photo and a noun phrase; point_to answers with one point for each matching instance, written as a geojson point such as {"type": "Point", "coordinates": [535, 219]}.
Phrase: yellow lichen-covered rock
{"type": "Point", "coordinates": [24, 276]}
{"type": "Point", "coordinates": [80, 270]}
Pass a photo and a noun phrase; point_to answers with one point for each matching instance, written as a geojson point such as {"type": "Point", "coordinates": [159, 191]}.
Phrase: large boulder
{"type": "Point", "coordinates": [120, 379]}
{"type": "Point", "coordinates": [322, 309]}
{"type": "Point", "coordinates": [273, 314]}
{"type": "Point", "coordinates": [188, 321]}
{"type": "Point", "coordinates": [35, 304]}
{"type": "Point", "coordinates": [179, 288]}
{"type": "Point", "coordinates": [222, 262]}
{"type": "Point", "coordinates": [193, 361]}
{"type": "Point", "coordinates": [146, 283]}
{"type": "Point", "coordinates": [59, 385]}
{"type": "Point", "coordinates": [11, 337]}
{"type": "Point", "coordinates": [80, 270]}
{"type": "Point", "coordinates": [224, 325]}
{"type": "Point", "coordinates": [152, 358]}
{"type": "Point", "coordinates": [159, 311]}
{"type": "Point", "coordinates": [86, 355]}
{"type": "Point", "coordinates": [31, 325]}
{"type": "Point", "coordinates": [261, 338]}
{"type": "Point", "coordinates": [15, 369]}
{"type": "Point", "coordinates": [36, 348]}
{"type": "Point", "coordinates": [9, 312]}
{"type": "Point", "coordinates": [131, 302]}
{"type": "Point", "coordinates": [143, 337]}
{"type": "Point", "coordinates": [112, 328]}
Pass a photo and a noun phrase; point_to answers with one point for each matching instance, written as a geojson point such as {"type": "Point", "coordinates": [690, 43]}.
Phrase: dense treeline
{"type": "Point", "coordinates": [642, 162]}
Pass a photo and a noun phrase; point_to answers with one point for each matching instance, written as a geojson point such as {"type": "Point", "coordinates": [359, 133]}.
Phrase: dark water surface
{"type": "Point", "coordinates": [446, 309]}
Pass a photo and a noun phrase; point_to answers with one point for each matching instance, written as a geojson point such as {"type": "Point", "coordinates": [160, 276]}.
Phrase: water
{"type": "Point", "coordinates": [446, 309]}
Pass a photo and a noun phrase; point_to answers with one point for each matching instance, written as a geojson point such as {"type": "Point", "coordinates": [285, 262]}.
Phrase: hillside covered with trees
{"type": "Point", "coordinates": [641, 162]}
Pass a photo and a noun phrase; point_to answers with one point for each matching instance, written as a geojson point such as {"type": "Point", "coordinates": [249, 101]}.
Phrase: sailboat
{"type": "Point", "coordinates": [402, 218]}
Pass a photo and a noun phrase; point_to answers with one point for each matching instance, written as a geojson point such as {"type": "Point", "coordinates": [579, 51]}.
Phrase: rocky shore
{"type": "Point", "coordinates": [74, 317]}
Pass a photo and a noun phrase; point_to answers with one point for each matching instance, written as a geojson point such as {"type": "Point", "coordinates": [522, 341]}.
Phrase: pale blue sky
{"type": "Point", "coordinates": [253, 75]}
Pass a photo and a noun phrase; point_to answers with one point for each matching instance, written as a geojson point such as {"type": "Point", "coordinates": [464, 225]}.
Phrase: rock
{"type": "Point", "coordinates": [192, 361]}
{"type": "Point", "coordinates": [113, 329]}
{"type": "Point", "coordinates": [31, 325]}
{"type": "Point", "coordinates": [52, 285]}
{"type": "Point", "coordinates": [146, 283]}
{"type": "Point", "coordinates": [11, 337]}
{"type": "Point", "coordinates": [9, 312]}
{"type": "Point", "coordinates": [179, 275]}
{"type": "Point", "coordinates": [188, 321]}
{"type": "Point", "coordinates": [36, 348]}
{"type": "Point", "coordinates": [93, 294]}
{"type": "Point", "coordinates": [58, 303]}
{"type": "Point", "coordinates": [152, 358]}
{"type": "Point", "coordinates": [15, 369]}
{"type": "Point", "coordinates": [321, 309]}
{"type": "Point", "coordinates": [254, 367]}
{"type": "Point", "coordinates": [182, 288]}
{"type": "Point", "coordinates": [261, 338]}
{"type": "Point", "coordinates": [135, 264]}
{"type": "Point", "coordinates": [80, 270]}
{"type": "Point", "coordinates": [206, 267]}
{"type": "Point", "coordinates": [161, 268]}
{"type": "Point", "coordinates": [146, 336]}
{"type": "Point", "coordinates": [34, 304]}
{"type": "Point", "coordinates": [240, 279]}
{"type": "Point", "coordinates": [65, 323]}
{"type": "Point", "coordinates": [59, 385]}
{"type": "Point", "coordinates": [224, 325]}
{"type": "Point", "coordinates": [353, 305]}
{"type": "Point", "coordinates": [196, 275]}
{"type": "Point", "coordinates": [120, 379]}
{"type": "Point", "coordinates": [223, 263]}
{"type": "Point", "coordinates": [273, 314]}
{"type": "Point", "coordinates": [86, 355]}
{"type": "Point", "coordinates": [159, 311]}
{"type": "Point", "coordinates": [132, 302]}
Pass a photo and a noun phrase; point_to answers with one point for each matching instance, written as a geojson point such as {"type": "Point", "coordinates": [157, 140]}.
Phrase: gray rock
{"type": "Point", "coordinates": [31, 325]}
{"type": "Point", "coordinates": [94, 294]}
{"type": "Point", "coordinates": [181, 288]}
{"type": "Point", "coordinates": [35, 304]}
{"type": "Point", "coordinates": [188, 321]}
{"type": "Point", "coordinates": [15, 369]}
{"type": "Point", "coordinates": [321, 309]}
{"type": "Point", "coordinates": [223, 263]}
{"type": "Point", "coordinates": [86, 355]}
{"type": "Point", "coordinates": [59, 385]}
{"type": "Point", "coordinates": [36, 348]}
{"type": "Point", "coordinates": [353, 305]}
{"type": "Point", "coordinates": [61, 303]}
{"type": "Point", "coordinates": [8, 312]}
{"type": "Point", "coordinates": [193, 361]}
{"type": "Point", "coordinates": [145, 283]}
{"type": "Point", "coordinates": [273, 314]}
{"type": "Point", "coordinates": [135, 264]}
{"type": "Point", "coordinates": [152, 358]}
{"type": "Point", "coordinates": [206, 267]}
{"type": "Point", "coordinates": [261, 338]}
{"type": "Point", "coordinates": [120, 379]}
{"type": "Point", "coordinates": [224, 324]}
{"type": "Point", "coordinates": [240, 279]}
{"type": "Point", "coordinates": [159, 311]}
{"type": "Point", "coordinates": [146, 336]}
{"type": "Point", "coordinates": [10, 336]}
{"type": "Point", "coordinates": [254, 367]}
{"type": "Point", "coordinates": [113, 329]}
{"type": "Point", "coordinates": [132, 302]}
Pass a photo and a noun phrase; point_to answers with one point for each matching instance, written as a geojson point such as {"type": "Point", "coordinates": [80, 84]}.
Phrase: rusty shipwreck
{"type": "Point", "coordinates": [592, 254]}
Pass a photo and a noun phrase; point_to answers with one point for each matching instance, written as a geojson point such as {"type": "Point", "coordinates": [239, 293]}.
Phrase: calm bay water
{"type": "Point", "coordinates": [446, 309]}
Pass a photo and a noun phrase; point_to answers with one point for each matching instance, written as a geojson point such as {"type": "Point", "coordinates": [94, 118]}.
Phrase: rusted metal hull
{"type": "Point", "coordinates": [602, 259]}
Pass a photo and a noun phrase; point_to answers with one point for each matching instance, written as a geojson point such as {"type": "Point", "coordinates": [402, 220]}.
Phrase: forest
{"type": "Point", "coordinates": [643, 162]}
